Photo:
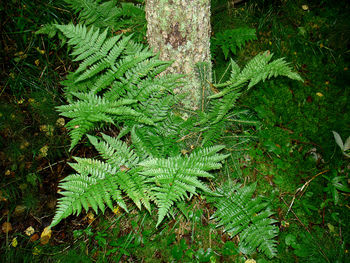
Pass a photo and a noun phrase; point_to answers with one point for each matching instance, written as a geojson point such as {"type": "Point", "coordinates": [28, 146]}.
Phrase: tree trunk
{"type": "Point", "coordinates": [180, 31]}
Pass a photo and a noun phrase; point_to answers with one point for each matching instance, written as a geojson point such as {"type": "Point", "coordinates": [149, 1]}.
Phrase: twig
{"type": "Point", "coordinates": [50, 165]}
{"type": "Point", "coordinates": [301, 189]}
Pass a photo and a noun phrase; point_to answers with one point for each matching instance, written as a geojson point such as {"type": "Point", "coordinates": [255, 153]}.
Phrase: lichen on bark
{"type": "Point", "coordinates": [180, 31]}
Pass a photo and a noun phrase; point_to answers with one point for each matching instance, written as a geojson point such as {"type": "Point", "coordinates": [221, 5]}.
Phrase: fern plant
{"type": "Point", "coordinates": [125, 17]}
{"type": "Point", "coordinates": [117, 17]}
{"type": "Point", "coordinates": [164, 181]}
{"type": "Point", "coordinates": [167, 159]}
{"type": "Point", "coordinates": [113, 84]}
{"type": "Point", "coordinates": [249, 217]}
{"type": "Point", "coordinates": [232, 39]}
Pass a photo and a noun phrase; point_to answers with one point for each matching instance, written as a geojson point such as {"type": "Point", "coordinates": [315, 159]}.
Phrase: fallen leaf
{"type": "Point", "coordinates": [91, 217]}
{"type": "Point", "coordinates": [305, 7]}
{"type": "Point", "coordinates": [29, 231]}
{"type": "Point", "coordinates": [45, 235]}
{"type": "Point", "coordinates": [6, 227]}
{"type": "Point", "coordinates": [19, 210]}
{"type": "Point", "coordinates": [250, 261]}
{"type": "Point", "coordinates": [319, 94]}
{"type": "Point", "coordinates": [60, 122]}
{"type": "Point", "coordinates": [14, 242]}
{"type": "Point", "coordinates": [34, 237]}
{"type": "Point", "coordinates": [116, 210]}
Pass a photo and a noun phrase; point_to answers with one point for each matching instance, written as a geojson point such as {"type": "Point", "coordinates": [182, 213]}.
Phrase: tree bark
{"type": "Point", "coordinates": [180, 31]}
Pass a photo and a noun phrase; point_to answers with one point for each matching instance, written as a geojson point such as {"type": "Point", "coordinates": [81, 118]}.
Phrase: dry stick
{"type": "Point", "coordinates": [301, 189]}
{"type": "Point", "coordinates": [50, 165]}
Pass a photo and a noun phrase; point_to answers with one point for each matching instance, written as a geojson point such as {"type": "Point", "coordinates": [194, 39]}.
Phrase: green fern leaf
{"type": "Point", "coordinates": [241, 214]}
{"type": "Point", "coordinates": [233, 39]}
{"type": "Point", "coordinates": [82, 191]}
{"type": "Point", "coordinates": [258, 69]}
{"type": "Point", "coordinates": [114, 151]}
{"type": "Point", "coordinates": [176, 177]}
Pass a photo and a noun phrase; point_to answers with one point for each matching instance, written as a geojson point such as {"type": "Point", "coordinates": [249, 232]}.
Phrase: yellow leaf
{"type": "Point", "coordinates": [60, 122]}
{"type": "Point", "coordinates": [20, 101]}
{"type": "Point", "coordinates": [331, 228]}
{"type": "Point", "coordinates": [305, 7]}
{"type": "Point", "coordinates": [14, 242]}
{"type": "Point", "coordinates": [250, 261]}
{"type": "Point", "coordinates": [37, 62]}
{"type": "Point", "coordinates": [319, 94]}
{"type": "Point", "coordinates": [116, 210]}
{"type": "Point", "coordinates": [45, 236]}
{"type": "Point", "coordinates": [42, 52]}
{"type": "Point", "coordinates": [91, 217]}
{"type": "Point", "coordinates": [29, 231]}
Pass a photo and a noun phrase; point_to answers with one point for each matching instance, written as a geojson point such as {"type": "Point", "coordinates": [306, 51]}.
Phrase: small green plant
{"type": "Point", "coordinates": [239, 213]}
{"type": "Point", "coordinates": [231, 40]}
{"type": "Point", "coordinates": [344, 147]}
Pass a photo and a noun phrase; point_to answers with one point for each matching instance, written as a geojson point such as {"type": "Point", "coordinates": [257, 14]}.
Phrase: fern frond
{"type": "Point", "coordinates": [146, 144]}
{"type": "Point", "coordinates": [114, 151]}
{"type": "Point", "coordinates": [176, 177]}
{"type": "Point", "coordinates": [109, 14]}
{"type": "Point", "coordinates": [258, 69]}
{"type": "Point", "coordinates": [92, 12]}
{"type": "Point", "coordinates": [241, 214]}
{"type": "Point", "coordinates": [82, 191]}
{"type": "Point", "coordinates": [99, 183]}
{"type": "Point", "coordinates": [213, 133]}
{"type": "Point", "coordinates": [91, 110]}
{"type": "Point", "coordinates": [233, 39]}
{"type": "Point", "coordinates": [117, 156]}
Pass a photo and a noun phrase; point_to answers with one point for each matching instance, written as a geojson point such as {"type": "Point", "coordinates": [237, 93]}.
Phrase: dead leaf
{"type": "Point", "coordinates": [305, 7]}
{"type": "Point", "coordinates": [91, 217]}
{"type": "Point", "coordinates": [19, 210]}
{"type": "Point", "coordinates": [6, 227]}
{"type": "Point", "coordinates": [34, 237]}
{"type": "Point", "coordinates": [14, 242]}
{"type": "Point", "coordinates": [29, 231]}
{"type": "Point", "coordinates": [45, 236]}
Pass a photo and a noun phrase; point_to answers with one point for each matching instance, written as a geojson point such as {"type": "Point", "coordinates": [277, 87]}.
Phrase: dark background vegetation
{"type": "Point", "coordinates": [291, 154]}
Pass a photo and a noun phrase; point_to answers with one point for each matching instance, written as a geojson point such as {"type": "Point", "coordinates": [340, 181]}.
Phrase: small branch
{"type": "Point", "coordinates": [301, 189]}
